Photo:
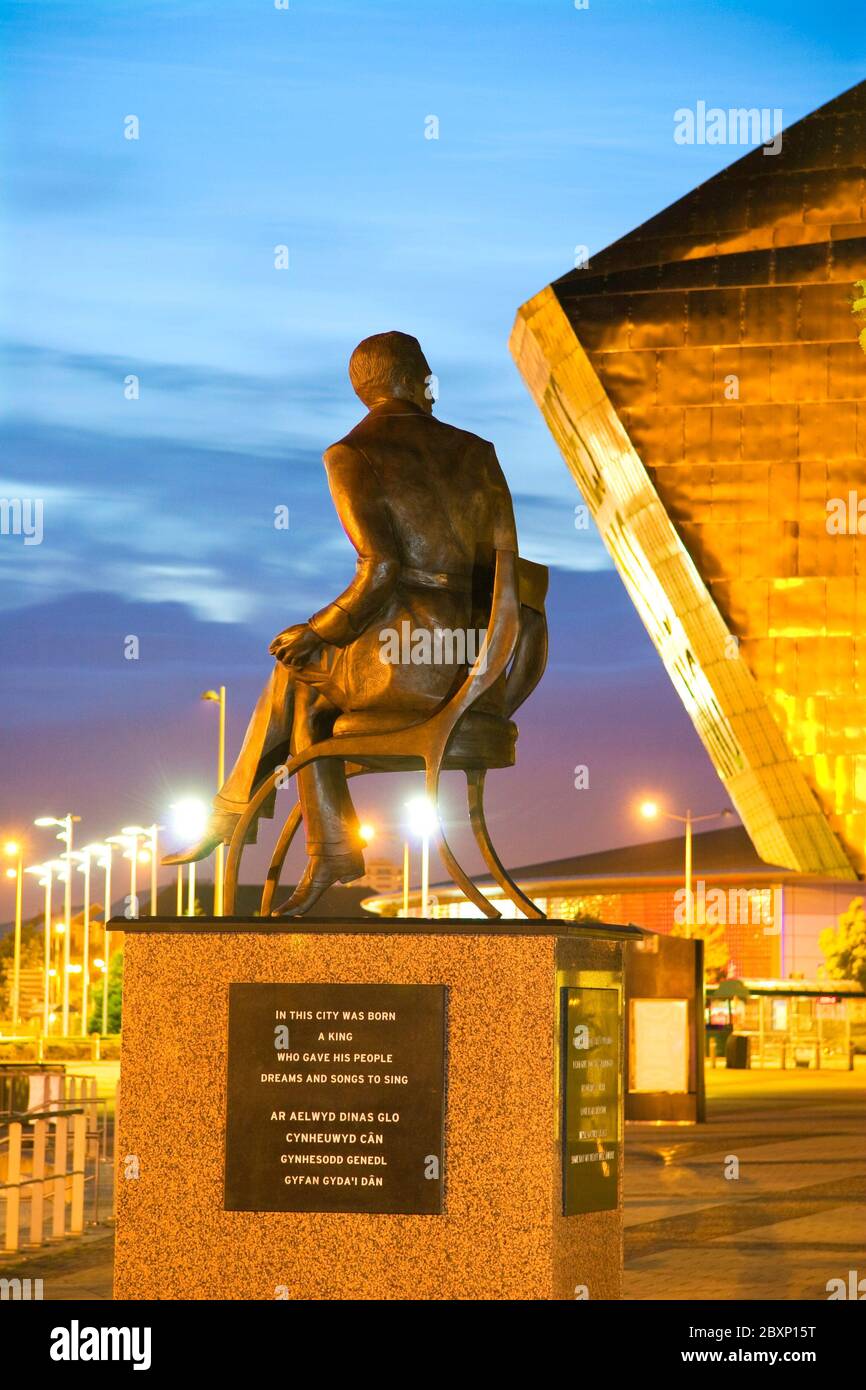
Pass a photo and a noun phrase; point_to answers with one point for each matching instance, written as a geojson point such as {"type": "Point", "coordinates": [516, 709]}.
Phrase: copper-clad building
{"type": "Point", "coordinates": [704, 381]}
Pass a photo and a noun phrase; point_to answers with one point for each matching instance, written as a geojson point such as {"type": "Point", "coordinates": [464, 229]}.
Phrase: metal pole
{"type": "Point", "coordinates": [46, 984]}
{"type": "Point", "coordinates": [180, 890]}
{"type": "Point", "coordinates": [67, 912]}
{"type": "Point", "coordinates": [133, 879]}
{"type": "Point", "coordinates": [219, 865]}
{"type": "Point", "coordinates": [689, 906]}
{"type": "Point", "coordinates": [405, 878]}
{"type": "Point", "coordinates": [106, 913]}
{"type": "Point", "coordinates": [425, 875]}
{"type": "Point", "coordinates": [154, 868]}
{"type": "Point", "coordinates": [190, 901]}
{"type": "Point", "coordinates": [16, 962]}
{"type": "Point", "coordinates": [85, 965]}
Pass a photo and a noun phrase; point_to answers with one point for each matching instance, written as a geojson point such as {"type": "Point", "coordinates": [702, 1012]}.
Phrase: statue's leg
{"type": "Point", "coordinates": [330, 820]}
{"type": "Point", "coordinates": [266, 741]}
{"type": "Point", "coordinates": [265, 746]}
{"type": "Point", "coordinates": [334, 846]}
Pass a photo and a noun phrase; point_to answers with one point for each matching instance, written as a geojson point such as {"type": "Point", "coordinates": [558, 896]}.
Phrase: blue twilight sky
{"type": "Point", "coordinates": [304, 127]}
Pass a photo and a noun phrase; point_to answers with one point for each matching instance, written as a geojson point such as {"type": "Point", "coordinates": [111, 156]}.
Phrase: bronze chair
{"type": "Point", "coordinates": [457, 736]}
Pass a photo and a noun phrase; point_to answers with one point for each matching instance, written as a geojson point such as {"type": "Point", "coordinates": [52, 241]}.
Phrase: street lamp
{"type": "Point", "coordinates": [105, 864]}
{"type": "Point", "coordinates": [153, 850]}
{"type": "Point", "coordinates": [423, 822]}
{"type": "Point", "coordinates": [84, 857]}
{"type": "Point", "coordinates": [189, 819]}
{"type": "Point", "coordinates": [47, 873]}
{"type": "Point", "coordinates": [65, 824]}
{"type": "Point", "coordinates": [650, 810]}
{"type": "Point", "coordinates": [139, 855]}
{"type": "Point", "coordinates": [128, 841]}
{"type": "Point", "coordinates": [148, 855]}
{"type": "Point", "coordinates": [13, 849]}
{"type": "Point", "coordinates": [219, 697]}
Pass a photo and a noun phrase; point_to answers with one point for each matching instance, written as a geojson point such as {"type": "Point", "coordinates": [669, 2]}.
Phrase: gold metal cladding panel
{"type": "Point", "coordinates": [734, 718]}
{"type": "Point", "coordinates": [813, 189]}
{"type": "Point", "coordinates": [749, 493]}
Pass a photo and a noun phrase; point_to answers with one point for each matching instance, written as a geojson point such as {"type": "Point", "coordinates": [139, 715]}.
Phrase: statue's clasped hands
{"type": "Point", "coordinates": [296, 645]}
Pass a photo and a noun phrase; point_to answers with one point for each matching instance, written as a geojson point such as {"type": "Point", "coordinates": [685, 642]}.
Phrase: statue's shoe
{"type": "Point", "coordinates": [320, 875]}
{"type": "Point", "coordinates": [220, 829]}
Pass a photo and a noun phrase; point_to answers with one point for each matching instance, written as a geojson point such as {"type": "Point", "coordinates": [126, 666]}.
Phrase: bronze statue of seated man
{"type": "Point", "coordinates": [425, 505]}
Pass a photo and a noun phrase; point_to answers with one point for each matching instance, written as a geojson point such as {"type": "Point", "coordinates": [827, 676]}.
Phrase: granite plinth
{"type": "Point", "coordinates": [501, 1233]}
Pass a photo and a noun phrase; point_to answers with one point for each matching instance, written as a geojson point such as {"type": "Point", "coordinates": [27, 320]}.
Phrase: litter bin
{"type": "Point", "coordinates": [737, 1051]}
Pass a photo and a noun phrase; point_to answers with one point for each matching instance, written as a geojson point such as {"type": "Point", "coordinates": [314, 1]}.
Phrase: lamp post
{"type": "Point", "coordinates": [13, 848]}
{"type": "Point", "coordinates": [219, 697]}
{"type": "Point", "coordinates": [650, 810]}
{"type": "Point", "coordinates": [140, 855]}
{"type": "Point", "coordinates": [189, 818]}
{"type": "Point", "coordinates": [128, 840]}
{"type": "Point", "coordinates": [422, 822]}
{"type": "Point", "coordinates": [105, 865]}
{"type": "Point", "coordinates": [153, 850]}
{"type": "Point", "coordinates": [84, 857]}
{"type": "Point", "coordinates": [65, 824]}
{"type": "Point", "coordinates": [47, 873]}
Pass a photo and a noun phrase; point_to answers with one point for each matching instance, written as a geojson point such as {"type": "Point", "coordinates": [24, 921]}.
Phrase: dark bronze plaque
{"type": "Point", "coordinates": [335, 1098]}
{"type": "Point", "coordinates": [590, 1099]}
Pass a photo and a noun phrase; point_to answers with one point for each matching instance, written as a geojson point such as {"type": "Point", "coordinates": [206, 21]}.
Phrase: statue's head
{"type": "Point", "coordinates": [388, 365]}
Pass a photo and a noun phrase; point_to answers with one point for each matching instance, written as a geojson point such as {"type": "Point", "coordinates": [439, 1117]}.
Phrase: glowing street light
{"type": "Point", "coordinates": [14, 850]}
{"type": "Point", "coordinates": [153, 851]}
{"type": "Point", "coordinates": [367, 832]}
{"type": "Point", "coordinates": [189, 821]}
{"type": "Point", "coordinates": [84, 858]}
{"type": "Point", "coordinates": [105, 864]}
{"type": "Point", "coordinates": [651, 810]}
{"type": "Point", "coordinates": [65, 826]}
{"type": "Point", "coordinates": [127, 841]}
{"type": "Point", "coordinates": [137, 854]}
{"type": "Point", "coordinates": [423, 823]}
{"type": "Point", "coordinates": [219, 697]}
{"type": "Point", "coordinates": [47, 873]}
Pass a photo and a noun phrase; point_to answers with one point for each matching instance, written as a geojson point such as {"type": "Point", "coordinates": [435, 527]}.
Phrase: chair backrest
{"type": "Point", "coordinates": [500, 640]}
{"type": "Point", "coordinates": [530, 656]}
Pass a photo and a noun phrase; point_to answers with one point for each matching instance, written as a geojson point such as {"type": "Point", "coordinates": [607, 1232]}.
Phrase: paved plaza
{"type": "Point", "coordinates": [793, 1218]}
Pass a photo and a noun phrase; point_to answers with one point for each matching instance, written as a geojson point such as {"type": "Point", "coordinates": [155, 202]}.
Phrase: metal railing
{"type": "Point", "coordinates": [41, 1047]}
{"type": "Point", "coordinates": [49, 1159]}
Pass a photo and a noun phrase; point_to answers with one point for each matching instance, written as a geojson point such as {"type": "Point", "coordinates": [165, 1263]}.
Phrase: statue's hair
{"type": "Point", "coordinates": [386, 360]}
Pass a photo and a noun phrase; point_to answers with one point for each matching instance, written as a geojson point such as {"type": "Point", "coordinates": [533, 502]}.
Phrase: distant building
{"type": "Point", "coordinates": [772, 917]}
{"type": "Point", "coordinates": [382, 876]}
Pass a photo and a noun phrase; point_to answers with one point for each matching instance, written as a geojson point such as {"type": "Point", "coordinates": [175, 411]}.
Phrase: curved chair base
{"type": "Point", "coordinates": [475, 779]}
{"type": "Point", "coordinates": [475, 789]}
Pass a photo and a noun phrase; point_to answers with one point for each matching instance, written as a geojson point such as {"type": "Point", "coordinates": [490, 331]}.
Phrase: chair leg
{"type": "Point", "coordinates": [462, 879]}
{"type": "Point", "coordinates": [475, 788]}
{"type": "Point", "coordinates": [287, 835]}
{"type": "Point", "coordinates": [239, 839]}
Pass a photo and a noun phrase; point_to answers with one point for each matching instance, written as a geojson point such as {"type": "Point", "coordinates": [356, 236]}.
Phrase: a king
{"type": "Point", "coordinates": [425, 506]}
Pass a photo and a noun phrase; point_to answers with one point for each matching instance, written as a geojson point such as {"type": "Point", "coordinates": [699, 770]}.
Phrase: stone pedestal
{"type": "Point", "coordinates": [511, 991]}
